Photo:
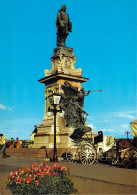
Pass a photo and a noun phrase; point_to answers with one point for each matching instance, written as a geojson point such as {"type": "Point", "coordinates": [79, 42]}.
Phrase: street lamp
{"type": "Point", "coordinates": [127, 132]}
{"type": "Point", "coordinates": [54, 100]}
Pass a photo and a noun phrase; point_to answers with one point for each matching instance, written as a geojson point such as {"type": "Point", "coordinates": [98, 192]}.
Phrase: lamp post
{"type": "Point", "coordinates": [54, 101]}
{"type": "Point", "coordinates": [127, 132]}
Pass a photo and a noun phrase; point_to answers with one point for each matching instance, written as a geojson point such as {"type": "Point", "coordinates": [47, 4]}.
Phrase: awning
{"type": "Point", "coordinates": [133, 126]}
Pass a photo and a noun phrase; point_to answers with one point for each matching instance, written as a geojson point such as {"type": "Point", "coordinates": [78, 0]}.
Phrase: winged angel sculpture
{"type": "Point", "coordinates": [72, 102]}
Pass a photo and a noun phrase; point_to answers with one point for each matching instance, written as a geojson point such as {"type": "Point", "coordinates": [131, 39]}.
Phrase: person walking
{"type": "Point", "coordinates": [12, 143]}
{"type": "Point", "coordinates": [18, 145]}
{"type": "Point", "coordinates": [3, 142]}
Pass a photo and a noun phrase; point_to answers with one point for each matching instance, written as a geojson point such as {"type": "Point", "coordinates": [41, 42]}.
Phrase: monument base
{"type": "Point", "coordinates": [42, 140]}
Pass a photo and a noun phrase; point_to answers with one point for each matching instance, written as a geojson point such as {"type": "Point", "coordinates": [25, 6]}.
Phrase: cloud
{"type": "Point", "coordinates": [107, 130]}
{"type": "Point", "coordinates": [124, 126]}
{"type": "Point", "coordinates": [90, 118]}
{"type": "Point", "coordinates": [125, 115]}
{"type": "Point", "coordinates": [92, 126]}
{"type": "Point", "coordinates": [13, 130]}
{"type": "Point", "coordinates": [2, 107]}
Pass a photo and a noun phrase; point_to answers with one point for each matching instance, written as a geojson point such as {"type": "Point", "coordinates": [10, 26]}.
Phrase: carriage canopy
{"type": "Point", "coordinates": [133, 126]}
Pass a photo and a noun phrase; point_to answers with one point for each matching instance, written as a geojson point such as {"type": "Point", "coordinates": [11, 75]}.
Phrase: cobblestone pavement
{"type": "Point", "coordinates": [95, 179]}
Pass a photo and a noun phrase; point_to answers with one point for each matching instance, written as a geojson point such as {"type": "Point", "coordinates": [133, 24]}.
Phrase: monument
{"type": "Point", "coordinates": [64, 79]}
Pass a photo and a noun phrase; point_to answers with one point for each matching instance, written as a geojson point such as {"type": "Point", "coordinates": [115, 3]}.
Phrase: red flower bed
{"type": "Point", "coordinates": [41, 179]}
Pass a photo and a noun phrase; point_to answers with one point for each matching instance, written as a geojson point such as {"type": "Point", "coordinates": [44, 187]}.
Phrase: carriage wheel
{"type": "Point", "coordinates": [88, 154]}
{"type": "Point", "coordinates": [128, 159]}
{"type": "Point", "coordinates": [72, 154]}
{"type": "Point", "coordinates": [112, 157]}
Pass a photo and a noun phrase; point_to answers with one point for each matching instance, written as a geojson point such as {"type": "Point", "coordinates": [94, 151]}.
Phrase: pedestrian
{"type": "Point", "coordinates": [34, 132]}
{"type": "Point", "coordinates": [12, 143]}
{"type": "Point", "coordinates": [35, 129]}
{"type": "Point", "coordinates": [19, 143]}
{"type": "Point", "coordinates": [3, 142]}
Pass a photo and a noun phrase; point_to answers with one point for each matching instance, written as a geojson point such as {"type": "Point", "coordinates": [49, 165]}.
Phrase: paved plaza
{"type": "Point", "coordinates": [95, 179]}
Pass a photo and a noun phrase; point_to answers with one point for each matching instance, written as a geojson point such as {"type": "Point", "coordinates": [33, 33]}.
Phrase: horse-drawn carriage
{"type": "Point", "coordinates": [103, 147]}
{"type": "Point", "coordinates": [85, 150]}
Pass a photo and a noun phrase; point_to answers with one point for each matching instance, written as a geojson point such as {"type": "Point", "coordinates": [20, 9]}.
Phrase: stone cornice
{"type": "Point", "coordinates": [58, 76]}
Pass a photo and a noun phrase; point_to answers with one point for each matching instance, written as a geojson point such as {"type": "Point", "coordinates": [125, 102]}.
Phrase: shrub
{"type": "Point", "coordinates": [43, 179]}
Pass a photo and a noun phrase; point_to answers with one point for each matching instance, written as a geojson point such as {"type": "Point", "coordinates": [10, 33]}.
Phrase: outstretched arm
{"type": "Point", "coordinates": [88, 92]}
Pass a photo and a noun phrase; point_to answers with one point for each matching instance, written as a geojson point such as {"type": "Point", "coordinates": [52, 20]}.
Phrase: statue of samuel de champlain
{"type": "Point", "coordinates": [64, 26]}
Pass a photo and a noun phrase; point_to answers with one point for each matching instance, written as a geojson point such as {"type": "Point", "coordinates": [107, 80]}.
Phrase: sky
{"type": "Point", "coordinates": [104, 42]}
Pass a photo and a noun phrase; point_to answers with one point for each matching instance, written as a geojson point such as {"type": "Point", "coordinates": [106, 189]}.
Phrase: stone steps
{"type": "Point", "coordinates": [34, 152]}
{"type": "Point", "coordinates": [26, 152]}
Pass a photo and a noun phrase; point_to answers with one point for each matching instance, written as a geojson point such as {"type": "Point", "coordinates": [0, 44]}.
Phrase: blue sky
{"type": "Point", "coordinates": [104, 41]}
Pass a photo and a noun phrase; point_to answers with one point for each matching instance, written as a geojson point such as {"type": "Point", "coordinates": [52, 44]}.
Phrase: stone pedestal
{"type": "Point", "coordinates": [63, 69]}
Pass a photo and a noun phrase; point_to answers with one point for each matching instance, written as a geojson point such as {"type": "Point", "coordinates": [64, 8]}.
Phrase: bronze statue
{"type": "Point", "coordinates": [64, 26]}
{"type": "Point", "coordinates": [72, 102]}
